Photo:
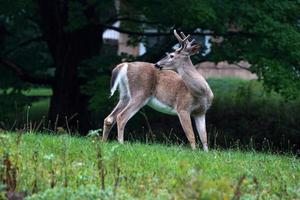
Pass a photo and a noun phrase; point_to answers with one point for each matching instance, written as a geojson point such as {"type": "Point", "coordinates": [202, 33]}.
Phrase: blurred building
{"type": "Point", "coordinates": [224, 69]}
{"type": "Point", "coordinates": [120, 42]}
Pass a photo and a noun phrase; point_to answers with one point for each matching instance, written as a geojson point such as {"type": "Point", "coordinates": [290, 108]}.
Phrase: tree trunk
{"type": "Point", "coordinates": [68, 103]}
{"type": "Point", "coordinates": [69, 107]}
{"type": "Point", "coordinates": [68, 48]}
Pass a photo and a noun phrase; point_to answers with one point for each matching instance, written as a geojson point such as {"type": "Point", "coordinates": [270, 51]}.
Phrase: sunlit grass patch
{"type": "Point", "coordinates": [48, 165]}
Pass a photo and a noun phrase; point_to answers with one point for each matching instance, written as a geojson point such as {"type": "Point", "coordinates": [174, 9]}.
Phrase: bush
{"type": "Point", "coordinates": [242, 111]}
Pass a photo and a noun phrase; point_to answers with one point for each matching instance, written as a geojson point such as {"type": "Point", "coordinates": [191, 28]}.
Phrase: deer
{"type": "Point", "coordinates": [171, 86]}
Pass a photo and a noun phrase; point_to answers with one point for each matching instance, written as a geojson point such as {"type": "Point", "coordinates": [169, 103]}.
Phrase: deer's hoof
{"type": "Point", "coordinates": [205, 148]}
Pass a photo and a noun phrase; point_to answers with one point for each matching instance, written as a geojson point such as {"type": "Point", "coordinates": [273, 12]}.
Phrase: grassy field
{"type": "Point", "coordinates": [65, 167]}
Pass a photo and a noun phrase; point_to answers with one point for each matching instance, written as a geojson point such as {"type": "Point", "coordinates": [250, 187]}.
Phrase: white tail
{"type": "Point", "coordinates": [120, 80]}
{"type": "Point", "coordinates": [185, 93]}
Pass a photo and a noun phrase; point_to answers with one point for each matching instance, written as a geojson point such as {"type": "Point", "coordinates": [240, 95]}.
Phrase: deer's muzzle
{"type": "Point", "coordinates": [158, 66]}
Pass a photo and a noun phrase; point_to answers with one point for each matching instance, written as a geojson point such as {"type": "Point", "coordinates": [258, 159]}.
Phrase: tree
{"type": "Point", "coordinates": [72, 34]}
{"type": "Point", "coordinates": [265, 33]}
{"type": "Point", "coordinates": [59, 43]}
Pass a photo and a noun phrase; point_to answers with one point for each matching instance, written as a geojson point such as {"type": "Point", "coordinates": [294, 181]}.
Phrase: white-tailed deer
{"type": "Point", "coordinates": [185, 93]}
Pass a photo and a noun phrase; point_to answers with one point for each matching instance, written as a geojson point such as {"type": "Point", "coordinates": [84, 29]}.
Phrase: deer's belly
{"type": "Point", "coordinates": [161, 107]}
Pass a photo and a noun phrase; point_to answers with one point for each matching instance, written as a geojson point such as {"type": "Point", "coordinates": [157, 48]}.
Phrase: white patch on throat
{"type": "Point", "coordinates": [161, 107]}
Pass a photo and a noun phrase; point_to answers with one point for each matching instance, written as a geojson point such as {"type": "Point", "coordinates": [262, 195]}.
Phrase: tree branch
{"type": "Point", "coordinates": [157, 51]}
{"type": "Point", "coordinates": [23, 75]}
{"type": "Point", "coordinates": [157, 34]}
{"type": "Point", "coordinates": [24, 43]}
{"type": "Point", "coordinates": [112, 20]}
{"type": "Point", "coordinates": [242, 67]}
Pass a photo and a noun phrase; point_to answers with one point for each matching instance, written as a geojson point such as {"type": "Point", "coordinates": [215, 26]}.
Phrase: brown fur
{"type": "Point", "coordinates": [166, 85]}
{"type": "Point", "coordinates": [186, 91]}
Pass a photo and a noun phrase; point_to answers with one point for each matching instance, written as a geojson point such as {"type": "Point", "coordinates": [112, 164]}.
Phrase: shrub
{"type": "Point", "coordinates": [245, 112]}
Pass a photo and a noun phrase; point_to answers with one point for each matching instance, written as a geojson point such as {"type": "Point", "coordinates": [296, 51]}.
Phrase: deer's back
{"type": "Point", "coordinates": [164, 85]}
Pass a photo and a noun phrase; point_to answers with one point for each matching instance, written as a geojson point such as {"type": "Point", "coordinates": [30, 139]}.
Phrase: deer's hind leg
{"type": "Point", "coordinates": [110, 120]}
{"type": "Point", "coordinates": [133, 106]}
{"type": "Point", "coordinates": [201, 128]}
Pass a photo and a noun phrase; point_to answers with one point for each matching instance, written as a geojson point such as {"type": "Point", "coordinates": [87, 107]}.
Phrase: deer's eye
{"type": "Point", "coordinates": [171, 56]}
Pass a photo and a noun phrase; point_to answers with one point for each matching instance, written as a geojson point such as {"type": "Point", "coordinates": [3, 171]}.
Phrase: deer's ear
{"type": "Point", "coordinates": [195, 49]}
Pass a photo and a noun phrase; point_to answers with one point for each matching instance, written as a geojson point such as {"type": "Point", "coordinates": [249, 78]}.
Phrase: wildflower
{"type": "Point", "coordinates": [49, 156]}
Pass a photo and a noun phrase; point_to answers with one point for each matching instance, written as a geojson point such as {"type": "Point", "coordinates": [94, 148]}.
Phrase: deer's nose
{"type": "Point", "coordinates": [157, 66]}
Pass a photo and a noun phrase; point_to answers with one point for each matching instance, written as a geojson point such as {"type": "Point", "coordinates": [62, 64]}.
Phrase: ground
{"type": "Point", "coordinates": [51, 166]}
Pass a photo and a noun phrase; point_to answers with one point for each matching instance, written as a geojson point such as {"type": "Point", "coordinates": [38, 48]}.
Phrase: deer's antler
{"type": "Point", "coordinates": [182, 41]}
{"type": "Point", "coordinates": [185, 44]}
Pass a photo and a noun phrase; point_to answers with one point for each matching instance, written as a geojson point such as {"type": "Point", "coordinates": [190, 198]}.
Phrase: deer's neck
{"type": "Point", "coordinates": [192, 78]}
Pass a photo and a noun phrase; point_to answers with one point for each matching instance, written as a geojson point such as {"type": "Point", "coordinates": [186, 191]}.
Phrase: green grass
{"type": "Point", "coordinates": [224, 85]}
{"type": "Point", "coordinates": [33, 91]}
{"type": "Point", "coordinates": [47, 92]}
{"type": "Point", "coordinates": [39, 109]}
{"type": "Point", "coordinates": [144, 171]}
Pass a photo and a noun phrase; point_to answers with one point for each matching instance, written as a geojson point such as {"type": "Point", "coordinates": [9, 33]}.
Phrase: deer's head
{"type": "Point", "coordinates": [182, 54]}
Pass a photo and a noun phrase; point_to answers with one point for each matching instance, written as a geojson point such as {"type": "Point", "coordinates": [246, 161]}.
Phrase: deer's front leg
{"type": "Point", "coordinates": [201, 128]}
{"type": "Point", "coordinates": [186, 123]}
